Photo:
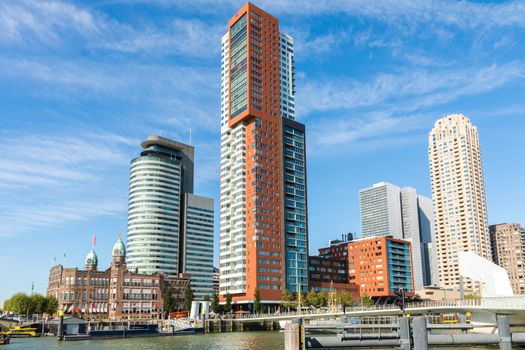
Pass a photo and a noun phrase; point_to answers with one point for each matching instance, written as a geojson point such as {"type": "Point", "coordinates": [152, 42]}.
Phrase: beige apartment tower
{"type": "Point", "coordinates": [508, 251]}
{"type": "Point", "coordinates": [458, 194]}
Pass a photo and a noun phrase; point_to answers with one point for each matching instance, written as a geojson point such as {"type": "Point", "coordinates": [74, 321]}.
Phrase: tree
{"type": "Point", "coordinates": [257, 306]}
{"type": "Point", "coordinates": [288, 299]}
{"type": "Point", "coordinates": [366, 301]}
{"type": "Point", "coordinates": [38, 304]}
{"type": "Point", "coordinates": [316, 299]}
{"type": "Point", "coordinates": [215, 307]}
{"type": "Point", "coordinates": [206, 298]}
{"type": "Point", "coordinates": [19, 303]}
{"type": "Point", "coordinates": [188, 297]}
{"type": "Point", "coordinates": [228, 306]}
{"type": "Point", "coordinates": [344, 298]}
{"type": "Point", "coordinates": [168, 300]}
{"type": "Point", "coordinates": [51, 305]}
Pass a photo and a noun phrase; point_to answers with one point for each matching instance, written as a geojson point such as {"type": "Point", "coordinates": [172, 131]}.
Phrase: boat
{"type": "Point", "coordinates": [20, 332]}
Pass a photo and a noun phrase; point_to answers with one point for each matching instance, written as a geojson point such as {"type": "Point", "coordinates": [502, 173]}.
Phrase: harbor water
{"type": "Point", "coordinates": [215, 341]}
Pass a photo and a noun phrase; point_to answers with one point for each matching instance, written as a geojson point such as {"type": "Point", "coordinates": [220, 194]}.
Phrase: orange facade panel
{"type": "Point", "coordinates": [254, 99]}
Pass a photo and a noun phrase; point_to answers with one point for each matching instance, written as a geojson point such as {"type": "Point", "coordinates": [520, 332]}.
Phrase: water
{"type": "Point", "coordinates": [214, 341]}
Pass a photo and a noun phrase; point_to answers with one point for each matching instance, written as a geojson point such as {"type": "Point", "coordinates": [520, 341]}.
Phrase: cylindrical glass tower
{"type": "Point", "coordinates": [157, 184]}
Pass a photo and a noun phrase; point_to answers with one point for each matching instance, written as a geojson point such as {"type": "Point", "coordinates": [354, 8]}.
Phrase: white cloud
{"type": "Point", "coordinates": [36, 161]}
{"type": "Point", "coordinates": [45, 21]}
{"type": "Point", "coordinates": [26, 218]}
{"type": "Point", "coordinates": [418, 88]}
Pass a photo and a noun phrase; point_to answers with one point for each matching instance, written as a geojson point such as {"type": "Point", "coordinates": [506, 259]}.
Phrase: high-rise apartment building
{"type": "Point", "coordinates": [263, 210]}
{"type": "Point", "coordinates": [508, 251]}
{"type": "Point", "coordinates": [165, 220]}
{"type": "Point", "coordinates": [458, 194]}
{"type": "Point", "coordinates": [388, 210]}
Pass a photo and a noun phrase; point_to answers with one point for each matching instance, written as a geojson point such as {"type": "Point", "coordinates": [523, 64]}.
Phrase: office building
{"type": "Point", "coordinates": [165, 219]}
{"type": "Point", "coordinates": [198, 244]}
{"type": "Point", "coordinates": [378, 266]}
{"type": "Point", "coordinates": [388, 210]}
{"type": "Point", "coordinates": [263, 206]}
{"type": "Point", "coordinates": [458, 194]}
{"type": "Point", "coordinates": [508, 251]}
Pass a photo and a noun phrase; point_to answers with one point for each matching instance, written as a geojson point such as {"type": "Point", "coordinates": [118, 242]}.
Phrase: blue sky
{"type": "Point", "coordinates": [83, 82]}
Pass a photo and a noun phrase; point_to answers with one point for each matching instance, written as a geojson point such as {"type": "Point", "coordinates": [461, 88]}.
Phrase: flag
{"type": "Point", "coordinates": [94, 240]}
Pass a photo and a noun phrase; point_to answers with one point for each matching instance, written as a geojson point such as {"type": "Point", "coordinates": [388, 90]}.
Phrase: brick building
{"type": "Point", "coordinates": [113, 293]}
{"type": "Point", "coordinates": [376, 266]}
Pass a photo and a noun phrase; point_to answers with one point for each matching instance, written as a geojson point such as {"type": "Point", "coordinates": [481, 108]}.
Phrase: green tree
{"type": "Point", "coordinates": [188, 297]}
{"type": "Point", "coordinates": [366, 301]}
{"type": "Point", "coordinates": [206, 298]}
{"type": "Point", "coordinates": [257, 305]}
{"type": "Point", "coordinates": [288, 299]}
{"type": "Point", "coordinates": [19, 303]}
{"type": "Point", "coordinates": [168, 300]}
{"type": "Point", "coordinates": [228, 306]}
{"type": "Point", "coordinates": [316, 299]}
{"type": "Point", "coordinates": [215, 306]}
{"type": "Point", "coordinates": [344, 298]}
{"type": "Point", "coordinates": [38, 304]}
{"type": "Point", "coordinates": [51, 305]}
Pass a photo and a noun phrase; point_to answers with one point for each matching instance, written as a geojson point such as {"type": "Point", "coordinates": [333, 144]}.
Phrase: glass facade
{"type": "Point", "coordinates": [238, 67]}
{"type": "Point", "coordinates": [198, 244]}
{"type": "Point", "coordinates": [399, 271]}
{"type": "Point", "coordinates": [295, 207]}
{"type": "Point", "coordinates": [154, 214]}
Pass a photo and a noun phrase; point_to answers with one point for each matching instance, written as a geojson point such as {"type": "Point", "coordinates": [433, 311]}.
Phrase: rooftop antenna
{"type": "Point", "coordinates": [190, 137]}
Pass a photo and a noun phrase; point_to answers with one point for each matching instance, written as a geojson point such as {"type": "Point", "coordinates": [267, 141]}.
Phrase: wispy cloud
{"type": "Point", "coordinates": [23, 219]}
{"type": "Point", "coordinates": [188, 37]}
{"type": "Point", "coordinates": [421, 88]}
{"type": "Point", "coordinates": [53, 160]}
{"type": "Point", "coordinates": [45, 22]}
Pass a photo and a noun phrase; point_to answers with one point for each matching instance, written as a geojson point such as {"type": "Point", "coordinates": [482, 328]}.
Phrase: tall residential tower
{"type": "Point", "coordinates": [508, 251]}
{"type": "Point", "coordinates": [166, 222]}
{"type": "Point", "coordinates": [458, 194]}
{"type": "Point", "coordinates": [263, 211]}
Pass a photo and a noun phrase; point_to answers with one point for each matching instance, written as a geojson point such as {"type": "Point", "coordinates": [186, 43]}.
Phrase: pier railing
{"type": "Point", "coordinates": [492, 303]}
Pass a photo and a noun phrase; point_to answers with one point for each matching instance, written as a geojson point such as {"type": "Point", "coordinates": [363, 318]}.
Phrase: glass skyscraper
{"type": "Point", "coordinates": [162, 222]}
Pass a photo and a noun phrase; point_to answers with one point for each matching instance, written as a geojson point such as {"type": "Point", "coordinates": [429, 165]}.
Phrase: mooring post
{"type": "Point", "coordinates": [61, 325]}
{"type": "Point", "coordinates": [404, 333]}
{"type": "Point", "coordinates": [419, 332]}
{"type": "Point", "coordinates": [505, 341]}
{"type": "Point", "coordinates": [294, 335]}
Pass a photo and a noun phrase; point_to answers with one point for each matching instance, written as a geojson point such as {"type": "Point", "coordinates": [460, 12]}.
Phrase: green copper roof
{"type": "Point", "coordinates": [91, 258]}
{"type": "Point", "coordinates": [119, 249]}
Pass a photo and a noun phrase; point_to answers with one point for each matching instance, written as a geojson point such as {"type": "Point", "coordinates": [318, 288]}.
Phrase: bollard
{"type": "Point", "coordinates": [404, 333]}
{"type": "Point", "coordinates": [292, 336]}
{"type": "Point", "coordinates": [505, 341]}
{"type": "Point", "coordinates": [61, 325]}
{"type": "Point", "coordinates": [419, 332]}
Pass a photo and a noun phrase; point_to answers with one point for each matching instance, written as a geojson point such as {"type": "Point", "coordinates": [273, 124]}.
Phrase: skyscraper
{"type": "Point", "coordinates": [508, 251]}
{"type": "Point", "coordinates": [458, 194]}
{"type": "Point", "coordinates": [163, 214]}
{"type": "Point", "coordinates": [263, 230]}
{"type": "Point", "coordinates": [198, 244]}
{"type": "Point", "coordinates": [388, 210]}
